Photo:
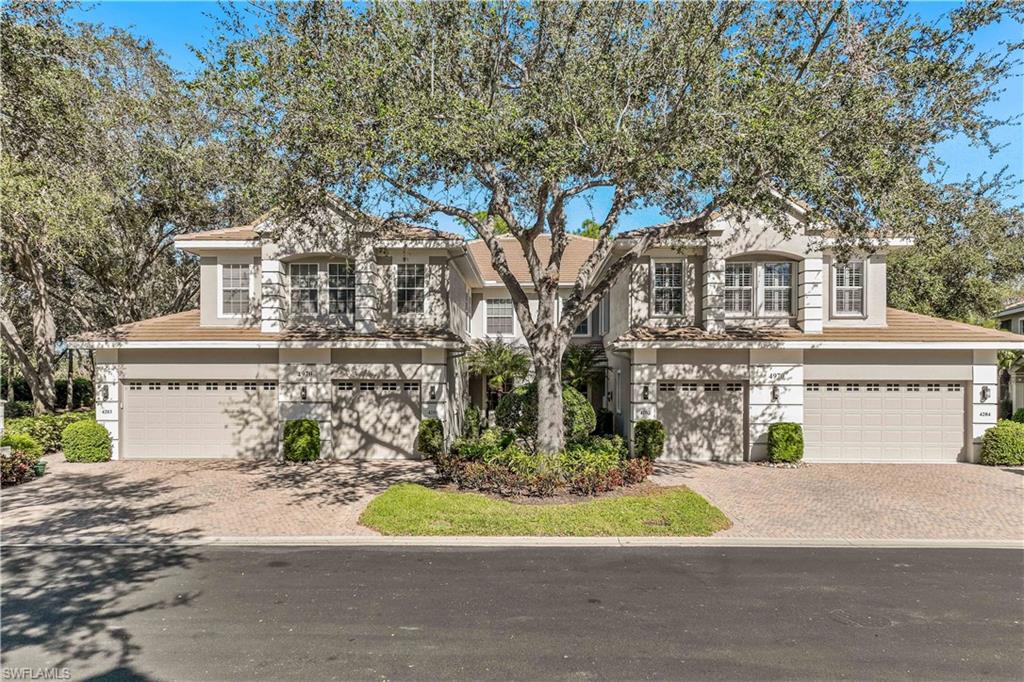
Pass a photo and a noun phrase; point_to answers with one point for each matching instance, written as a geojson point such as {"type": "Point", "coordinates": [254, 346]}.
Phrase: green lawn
{"type": "Point", "coordinates": [410, 509]}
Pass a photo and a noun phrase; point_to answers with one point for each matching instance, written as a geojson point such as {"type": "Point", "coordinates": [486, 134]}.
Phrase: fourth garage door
{"type": "Point", "coordinates": [884, 421]}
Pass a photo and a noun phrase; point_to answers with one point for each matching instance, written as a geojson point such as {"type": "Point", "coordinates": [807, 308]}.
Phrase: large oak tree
{"type": "Point", "coordinates": [519, 109]}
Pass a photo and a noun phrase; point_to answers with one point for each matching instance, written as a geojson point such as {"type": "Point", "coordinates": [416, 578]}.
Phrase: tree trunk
{"type": "Point", "coordinates": [70, 404]}
{"type": "Point", "coordinates": [550, 425]}
{"type": "Point", "coordinates": [44, 335]}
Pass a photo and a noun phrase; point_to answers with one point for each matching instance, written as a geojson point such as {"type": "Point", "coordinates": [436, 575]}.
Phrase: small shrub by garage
{"type": "Point", "coordinates": [19, 464]}
{"type": "Point", "coordinates": [785, 442]}
{"type": "Point", "coordinates": [1003, 444]}
{"type": "Point", "coordinates": [648, 439]}
{"type": "Point", "coordinates": [517, 412]}
{"type": "Point", "coordinates": [48, 428]}
{"type": "Point", "coordinates": [301, 440]}
{"type": "Point", "coordinates": [430, 438]}
{"type": "Point", "coordinates": [86, 441]}
{"type": "Point", "coordinates": [1018, 416]}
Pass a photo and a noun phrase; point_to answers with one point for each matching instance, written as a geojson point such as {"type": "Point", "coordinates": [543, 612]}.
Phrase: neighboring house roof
{"type": "Point", "coordinates": [184, 327]}
{"type": "Point", "coordinates": [1012, 309]}
{"type": "Point", "coordinates": [901, 327]}
{"type": "Point", "coordinates": [238, 233]}
{"type": "Point", "coordinates": [576, 253]}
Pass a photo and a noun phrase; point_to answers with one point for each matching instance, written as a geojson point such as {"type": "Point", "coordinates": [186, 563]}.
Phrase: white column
{"type": "Point", "coordinates": [776, 394]}
{"type": "Point", "coordinates": [304, 391]}
{"type": "Point", "coordinates": [108, 397]}
{"type": "Point", "coordinates": [984, 405]}
{"type": "Point", "coordinates": [366, 288]}
{"type": "Point", "coordinates": [810, 296]}
{"type": "Point", "coordinates": [272, 296]}
{"type": "Point", "coordinates": [713, 281]}
{"type": "Point", "coordinates": [643, 388]}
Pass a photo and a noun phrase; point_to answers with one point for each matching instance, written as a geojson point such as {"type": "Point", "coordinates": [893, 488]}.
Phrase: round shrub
{"type": "Point", "coordinates": [301, 440]}
{"type": "Point", "coordinates": [18, 465]}
{"type": "Point", "coordinates": [517, 411]}
{"type": "Point", "coordinates": [1018, 416]}
{"type": "Point", "coordinates": [430, 438]}
{"type": "Point", "coordinates": [785, 442]}
{"type": "Point", "coordinates": [47, 429]}
{"type": "Point", "coordinates": [648, 439]}
{"type": "Point", "coordinates": [1003, 444]}
{"type": "Point", "coordinates": [86, 441]}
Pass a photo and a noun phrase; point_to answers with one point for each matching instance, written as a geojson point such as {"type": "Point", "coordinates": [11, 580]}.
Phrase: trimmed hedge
{"type": "Point", "coordinates": [517, 412]}
{"type": "Point", "coordinates": [785, 442]}
{"type": "Point", "coordinates": [430, 438]}
{"type": "Point", "coordinates": [648, 439]}
{"type": "Point", "coordinates": [47, 429]}
{"type": "Point", "coordinates": [1003, 444]}
{"type": "Point", "coordinates": [1018, 416]}
{"type": "Point", "coordinates": [19, 466]}
{"type": "Point", "coordinates": [301, 440]}
{"type": "Point", "coordinates": [18, 408]}
{"type": "Point", "coordinates": [86, 441]}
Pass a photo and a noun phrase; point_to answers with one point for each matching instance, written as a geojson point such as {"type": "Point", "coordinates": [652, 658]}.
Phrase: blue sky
{"type": "Point", "coordinates": [174, 27]}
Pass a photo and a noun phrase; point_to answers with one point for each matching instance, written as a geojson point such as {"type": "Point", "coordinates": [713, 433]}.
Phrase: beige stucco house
{"type": "Point", "coordinates": [362, 326]}
{"type": "Point", "coordinates": [1011, 319]}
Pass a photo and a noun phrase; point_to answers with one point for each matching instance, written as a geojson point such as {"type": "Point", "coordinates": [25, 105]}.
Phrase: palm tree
{"type": "Point", "coordinates": [499, 363]}
{"type": "Point", "coordinates": [582, 366]}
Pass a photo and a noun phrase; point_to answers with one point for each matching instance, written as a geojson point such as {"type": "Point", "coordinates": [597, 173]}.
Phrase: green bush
{"type": "Point", "coordinates": [517, 412]}
{"type": "Point", "coordinates": [648, 439]}
{"type": "Point", "coordinates": [47, 429]}
{"type": "Point", "coordinates": [430, 438]}
{"type": "Point", "coordinates": [301, 440]}
{"type": "Point", "coordinates": [86, 441]}
{"type": "Point", "coordinates": [18, 408]}
{"type": "Point", "coordinates": [19, 465]}
{"type": "Point", "coordinates": [1018, 416]}
{"type": "Point", "coordinates": [1003, 444]}
{"type": "Point", "coordinates": [490, 442]}
{"type": "Point", "coordinates": [472, 422]}
{"type": "Point", "coordinates": [785, 442]}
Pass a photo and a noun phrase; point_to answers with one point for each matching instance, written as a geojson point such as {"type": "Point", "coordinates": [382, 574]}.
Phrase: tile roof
{"type": "Point", "coordinates": [240, 232]}
{"type": "Point", "coordinates": [1011, 309]}
{"type": "Point", "coordinates": [185, 326]}
{"type": "Point", "coordinates": [576, 253]}
{"type": "Point", "coordinates": [901, 326]}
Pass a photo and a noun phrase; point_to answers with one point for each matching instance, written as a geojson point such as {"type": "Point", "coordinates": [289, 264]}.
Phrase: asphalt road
{"type": "Point", "coordinates": [188, 613]}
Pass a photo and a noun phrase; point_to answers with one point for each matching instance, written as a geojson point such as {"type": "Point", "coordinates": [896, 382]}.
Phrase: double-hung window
{"type": "Point", "coordinates": [849, 288]}
{"type": "Point", "coordinates": [341, 289]}
{"type": "Point", "coordinates": [234, 288]}
{"type": "Point", "coordinates": [410, 286]}
{"type": "Point", "coordinates": [739, 288]}
{"type": "Point", "coordinates": [583, 328]}
{"type": "Point", "coordinates": [305, 288]}
{"type": "Point", "coordinates": [668, 287]}
{"type": "Point", "coordinates": [778, 288]}
{"type": "Point", "coordinates": [499, 316]}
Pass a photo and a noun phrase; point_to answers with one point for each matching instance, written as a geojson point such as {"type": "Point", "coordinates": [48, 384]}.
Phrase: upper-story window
{"type": "Point", "coordinates": [849, 288]}
{"type": "Point", "coordinates": [669, 277]}
{"type": "Point", "coordinates": [305, 287]}
{"type": "Point", "coordinates": [341, 289]}
{"type": "Point", "coordinates": [500, 316]}
{"type": "Point", "coordinates": [739, 288]}
{"type": "Point", "coordinates": [778, 288]}
{"type": "Point", "coordinates": [410, 292]}
{"type": "Point", "coordinates": [235, 289]}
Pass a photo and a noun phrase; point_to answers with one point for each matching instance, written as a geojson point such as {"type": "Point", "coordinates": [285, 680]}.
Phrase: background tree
{"type": "Point", "coordinates": [519, 109]}
{"type": "Point", "coordinates": [498, 363]}
{"type": "Point", "coordinates": [590, 228]}
{"type": "Point", "coordinates": [582, 366]}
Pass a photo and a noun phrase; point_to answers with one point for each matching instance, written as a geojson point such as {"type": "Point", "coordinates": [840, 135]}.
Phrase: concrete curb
{"type": "Point", "coordinates": [529, 541]}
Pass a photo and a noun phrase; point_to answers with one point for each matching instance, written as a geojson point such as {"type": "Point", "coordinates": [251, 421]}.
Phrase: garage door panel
{"type": "Point", "coordinates": [703, 421]}
{"type": "Point", "coordinates": [376, 419]}
{"type": "Point", "coordinates": [897, 421]}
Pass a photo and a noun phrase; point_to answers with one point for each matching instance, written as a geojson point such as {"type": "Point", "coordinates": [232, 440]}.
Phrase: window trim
{"type": "Point", "coordinates": [220, 287]}
{"type": "Point", "coordinates": [833, 297]}
{"type": "Point", "coordinates": [683, 288]}
{"type": "Point", "coordinates": [754, 283]}
{"type": "Point", "coordinates": [487, 316]}
{"type": "Point", "coordinates": [761, 305]}
{"type": "Point", "coordinates": [327, 288]}
{"type": "Point", "coordinates": [301, 314]}
{"type": "Point", "coordinates": [587, 334]}
{"type": "Point", "coordinates": [394, 299]}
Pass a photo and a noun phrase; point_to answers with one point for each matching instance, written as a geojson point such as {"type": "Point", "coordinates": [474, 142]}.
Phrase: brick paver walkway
{"type": "Point", "coordinates": [182, 500]}
{"type": "Point", "coordinates": [879, 501]}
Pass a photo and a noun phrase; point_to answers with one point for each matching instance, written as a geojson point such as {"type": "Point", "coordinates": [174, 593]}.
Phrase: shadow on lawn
{"type": "Point", "coordinates": [64, 606]}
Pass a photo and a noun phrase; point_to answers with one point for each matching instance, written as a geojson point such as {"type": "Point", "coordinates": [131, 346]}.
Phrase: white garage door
{"type": "Point", "coordinates": [376, 419]}
{"type": "Point", "coordinates": [703, 420]}
{"type": "Point", "coordinates": [199, 419]}
{"type": "Point", "coordinates": [884, 422]}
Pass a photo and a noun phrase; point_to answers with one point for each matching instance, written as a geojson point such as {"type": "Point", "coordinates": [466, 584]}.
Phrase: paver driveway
{"type": "Point", "coordinates": [894, 501]}
{"type": "Point", "coordinates": [178, 500]}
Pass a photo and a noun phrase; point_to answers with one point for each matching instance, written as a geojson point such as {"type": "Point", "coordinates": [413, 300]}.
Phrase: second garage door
{"type": "Point", "coordinates": [703, 420]}
{"type": "Point", "coordinates": [884, 422]}
{"type": "Point", "coordinates": [199, 419]}
{"type": "Point", "coordinates": [376, 419]}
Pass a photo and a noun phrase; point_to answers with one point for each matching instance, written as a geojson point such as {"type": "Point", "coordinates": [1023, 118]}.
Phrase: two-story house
{"type": "Point", "coordinates": [363, 326]}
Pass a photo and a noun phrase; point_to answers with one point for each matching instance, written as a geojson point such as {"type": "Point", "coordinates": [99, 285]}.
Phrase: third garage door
{"type": "Point", "coordinates": [376, 419]}
{"type": "Point", "coordinates": [703, 420]}
{"type": "Point", "coordinates": [884, 422]}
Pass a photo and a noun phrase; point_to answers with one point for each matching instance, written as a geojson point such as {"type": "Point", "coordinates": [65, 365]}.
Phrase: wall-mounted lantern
{"type": "Point", "coordinates": [985, 393]}
{"type": "Point", "coordinates": [775, 393]}
{"type": "Point", "coordinates": [304, 393]}
{"type": "Point", "coordinates": [646, 393]}
{"type": "Point", "coordinates": [433, 392]}
{"type": "Point", "coordinates": [105, 393]}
